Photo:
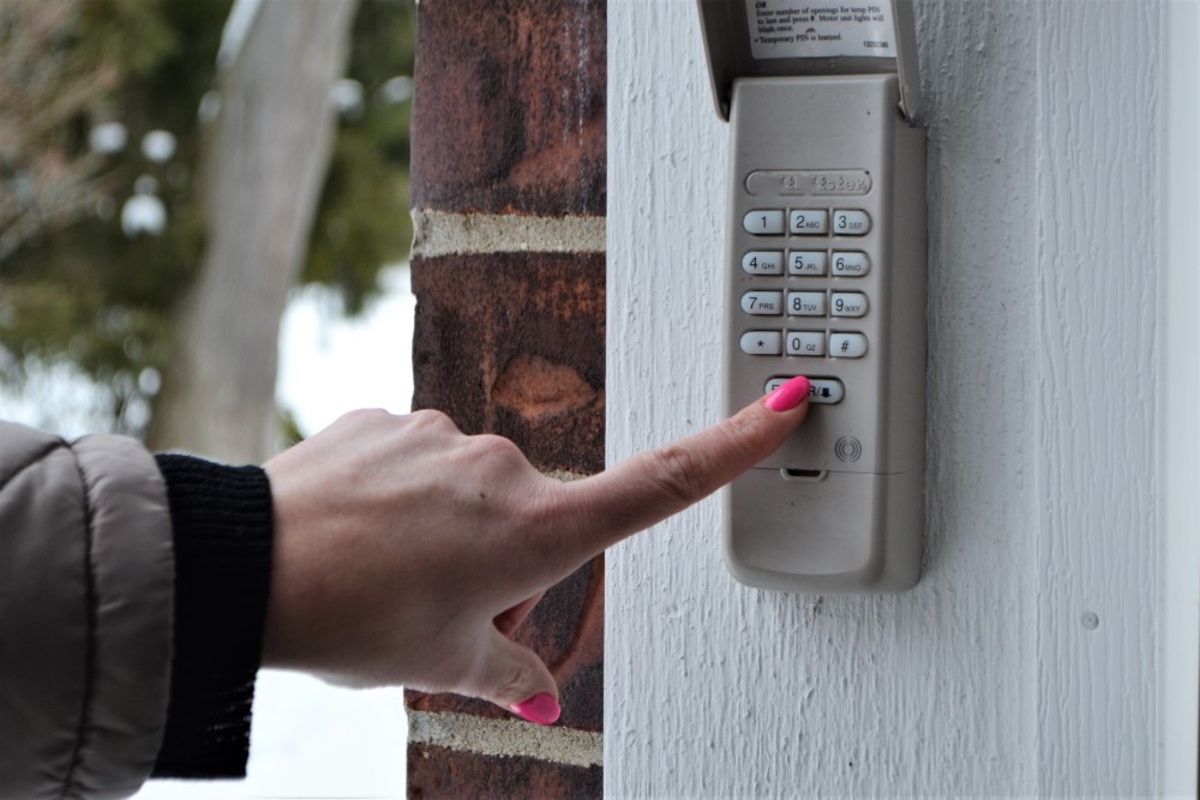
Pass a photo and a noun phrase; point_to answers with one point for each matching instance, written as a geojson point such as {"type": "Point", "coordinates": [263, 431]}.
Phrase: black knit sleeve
{"type": "Point", "coordinates": [222, 525]}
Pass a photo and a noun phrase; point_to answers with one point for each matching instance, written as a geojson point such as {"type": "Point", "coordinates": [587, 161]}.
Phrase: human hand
{"type": "Point", "coordinates": [406, 552]}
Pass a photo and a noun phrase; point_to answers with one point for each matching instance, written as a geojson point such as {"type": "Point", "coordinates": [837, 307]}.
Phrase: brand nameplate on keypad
{"type": "Point", "coordinates": [808, 182]}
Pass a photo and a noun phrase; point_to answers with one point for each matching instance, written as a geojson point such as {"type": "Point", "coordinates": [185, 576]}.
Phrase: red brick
{"type": "Point", "coordinates": [437, 772]}
{"type": "Point", "coordinates": [513, 344]}
{"type": "Point", "coordinates": [509, 110]}
{"type": "Point", "coordinates": [567, 630]}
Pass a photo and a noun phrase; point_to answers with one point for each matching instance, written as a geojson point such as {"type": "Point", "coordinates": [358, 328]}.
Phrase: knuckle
{"type": "Point", "coordinates": [432, 419]}
{"type": "Point", "coordinates": [364, 415]}
{"type": "Point", "coordinates": [680, 473]}
{"type": "Point", "coordinates": [743, 436]}
{"type": "Point", "coordinates": [491, 446]}
{"type": "Point", "coordinates": [514, 685]}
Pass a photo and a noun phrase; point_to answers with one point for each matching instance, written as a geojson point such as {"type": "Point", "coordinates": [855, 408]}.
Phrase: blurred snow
{"type": "Point", "coordinates": [143, 213]}
{"type": "Point", "coordinates": [108, 138]}
{"type": "Point", "coordinates": [159, 146]}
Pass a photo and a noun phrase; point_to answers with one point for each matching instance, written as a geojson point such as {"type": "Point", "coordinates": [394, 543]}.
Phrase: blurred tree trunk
{"type": "Point", "coordinates": [262, 170]}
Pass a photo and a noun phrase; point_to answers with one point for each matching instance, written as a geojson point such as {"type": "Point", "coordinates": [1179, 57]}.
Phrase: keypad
{"type": "Point", "coordinates": [805, 249]}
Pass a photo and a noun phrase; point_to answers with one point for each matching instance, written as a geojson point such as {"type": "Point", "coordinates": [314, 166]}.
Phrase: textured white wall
{"type": "Point", "coordinates": [1042, 473]}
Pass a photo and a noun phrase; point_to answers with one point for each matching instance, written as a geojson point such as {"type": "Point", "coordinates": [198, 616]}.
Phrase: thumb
{"type": "Point", "coordinates": [514, 678]}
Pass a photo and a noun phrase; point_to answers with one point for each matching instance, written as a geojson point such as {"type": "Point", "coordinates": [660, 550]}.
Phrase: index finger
{"type": "Point", "coordinates": [656, 484]}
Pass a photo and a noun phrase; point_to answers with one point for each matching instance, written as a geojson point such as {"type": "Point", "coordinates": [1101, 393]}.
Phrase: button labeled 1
{"type": "Point", "coordinates": [764, 222]}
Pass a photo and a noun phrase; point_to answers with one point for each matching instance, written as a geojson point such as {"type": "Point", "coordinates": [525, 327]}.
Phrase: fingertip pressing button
{"type": "Point", "coordinates": [823, 391]}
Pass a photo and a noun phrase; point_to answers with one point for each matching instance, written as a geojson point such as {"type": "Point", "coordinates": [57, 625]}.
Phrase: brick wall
{"type": "Point", "coordinates": [508, 194]}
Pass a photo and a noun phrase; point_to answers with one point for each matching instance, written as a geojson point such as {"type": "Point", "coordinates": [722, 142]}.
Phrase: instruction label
{"type": "Point", "coordinates": [820, 29]}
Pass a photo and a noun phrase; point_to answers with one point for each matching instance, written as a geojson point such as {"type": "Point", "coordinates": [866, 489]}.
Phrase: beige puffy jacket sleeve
{"type": "Point", "coordinates": [86, 609]}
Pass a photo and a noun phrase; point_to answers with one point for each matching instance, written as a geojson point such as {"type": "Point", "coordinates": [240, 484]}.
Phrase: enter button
{"type": "Point", "coordinates": [825, 391]}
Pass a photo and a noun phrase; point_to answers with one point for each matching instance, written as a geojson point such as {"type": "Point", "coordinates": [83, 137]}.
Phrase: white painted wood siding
{"type": "Point", "coordinates": [1042, 475]}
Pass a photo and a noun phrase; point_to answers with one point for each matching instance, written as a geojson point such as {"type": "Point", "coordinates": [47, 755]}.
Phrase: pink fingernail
{"type": "Point", "coordinates": [788, 396]}
{"type": "Point", "coordinates": [541, 708]}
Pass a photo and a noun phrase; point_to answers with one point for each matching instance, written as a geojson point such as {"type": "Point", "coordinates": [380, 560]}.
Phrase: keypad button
{"type": "Point", "coordinates": [850, 264]}
{"type": "Point", "coordinates": [851, 222]}
{"type": "Point", "coordinates": [846, 304]}
{"type": "Point", "coordinates": [764, 222]}
{"type": "Point", "coordinates": [763, 262]}
{"type": "Point", "coordinates": [806, 304]}
{"type": "Point", "coordinates": [808, 222]}
{"type": "Point", "coordinates": [847, 345]}
{"type": "Point", "coordinates": [806, 343]}
{"type": "Point", "coordinates": [763, 303]}
{"type": "Point", "coordinates": [825, 391]}
{"type": "Point", "coordinates": [762, 343]}
{"type": "Point", "coordinates": [807, 262]}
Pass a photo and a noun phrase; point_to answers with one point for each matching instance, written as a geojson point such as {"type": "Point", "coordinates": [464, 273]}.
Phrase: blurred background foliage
{"type": "Point", "coordinates": [103, 105]}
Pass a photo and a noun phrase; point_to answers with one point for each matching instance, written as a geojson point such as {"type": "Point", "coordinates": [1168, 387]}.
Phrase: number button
{"type": "Point", "coordinates": [847, 345]}
{"type": "Point", "coordinates": [807, 262]}
{"type": "Point", "coordinates": [806, 304]}
{"type": "Point", "coordinates": [763, 262]}
{"type": "Point", "coordinates": [762, 343]}
{"type": "Point", "coordinates": [806, 343]}
{"type": "Point", "coordinates": [763, 303]}
{"type": "Point", "coordinates": [764, 222]}
{"type": "Point", "coordinates": [808, 222]}
{"type": "Point", "coordinates": [851, 223]}
{"type": "Point", "coordinates": [848, 304]}
{"type": "Point", "coordinates": [850, 264]}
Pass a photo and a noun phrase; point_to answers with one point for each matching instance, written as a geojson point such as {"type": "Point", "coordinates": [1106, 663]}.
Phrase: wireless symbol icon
{"type": "Point", "coordinates": [848, 448]}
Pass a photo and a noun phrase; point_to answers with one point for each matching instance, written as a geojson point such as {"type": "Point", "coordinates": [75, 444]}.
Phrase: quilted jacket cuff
{"type": "Point", "coordinates": [222, 526]}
